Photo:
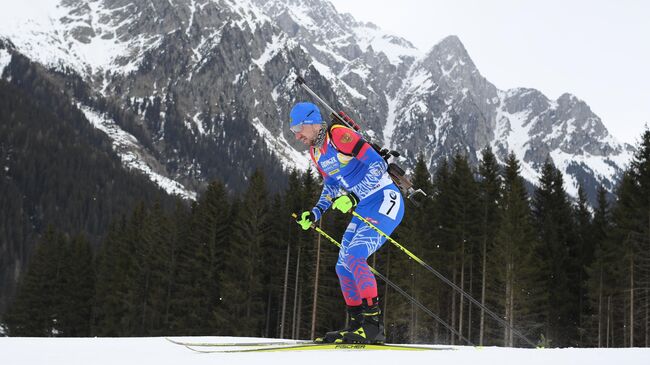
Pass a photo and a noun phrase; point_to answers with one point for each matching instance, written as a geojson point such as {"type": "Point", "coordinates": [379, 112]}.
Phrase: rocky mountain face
{"type": "Point", "coordinates": [210, 82]}
{"type": "Point", "coordinates": [446, 105]}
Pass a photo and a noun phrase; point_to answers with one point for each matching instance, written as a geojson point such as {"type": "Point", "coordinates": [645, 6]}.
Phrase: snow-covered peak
{"type": "Point", "coordinates": [535, 128]}
{"type": "Point", "coordinates": [395, 48]}
{"type": "Point", "coordinates": [314, 18]}
{"type": "Point", "coordinates": [450, 49]}
{"type": "Point", "coordinates": [87, 36]}
{"type": "Point", "coordinates": [318, 23]}
{"type": "Point", "coordinates": [450, 59]}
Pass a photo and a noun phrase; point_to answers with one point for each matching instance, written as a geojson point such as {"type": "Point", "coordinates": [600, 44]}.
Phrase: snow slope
{"type": "Point", "coordinates": [43, 30]}
{"type": "Point", "coordinates": [132, 154]}
{"type": "Point", "coordinates": [158, 351]}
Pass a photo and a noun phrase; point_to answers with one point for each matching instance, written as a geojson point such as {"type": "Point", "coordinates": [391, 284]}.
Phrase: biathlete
{"type": "Point", "coordinates": [354, 177]}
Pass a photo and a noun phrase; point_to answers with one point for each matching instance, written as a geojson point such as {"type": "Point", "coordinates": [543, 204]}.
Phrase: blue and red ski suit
{"type": "Point", "coordinates": [349, 164]}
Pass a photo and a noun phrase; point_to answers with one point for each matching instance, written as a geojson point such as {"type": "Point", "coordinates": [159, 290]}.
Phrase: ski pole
{"type": "Point", "coordinates": [394, 286]}
{"type": "Point", "coordinates": [445, 280]}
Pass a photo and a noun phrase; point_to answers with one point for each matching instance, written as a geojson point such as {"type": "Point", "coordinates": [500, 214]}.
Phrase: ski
{"type": "Point", "coordinates": [237, 344]}
{"type": "Point", "coordinates": [328, 346]}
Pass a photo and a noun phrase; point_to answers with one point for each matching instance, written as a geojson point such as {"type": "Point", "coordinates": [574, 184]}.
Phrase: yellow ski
{"type": "Point", "coordinates": [328, 346]}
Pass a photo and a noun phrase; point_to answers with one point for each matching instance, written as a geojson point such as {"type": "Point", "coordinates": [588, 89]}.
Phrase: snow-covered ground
{"type": "Point", "coordinates": [158, 351]}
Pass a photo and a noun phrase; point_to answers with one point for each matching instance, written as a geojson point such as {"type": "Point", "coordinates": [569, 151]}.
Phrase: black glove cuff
{"type": "Point", "coordinates": [354, 198]}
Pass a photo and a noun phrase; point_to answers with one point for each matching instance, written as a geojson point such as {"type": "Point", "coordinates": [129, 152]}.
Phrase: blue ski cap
{"type": "Point", "coordinates": [304, 113]}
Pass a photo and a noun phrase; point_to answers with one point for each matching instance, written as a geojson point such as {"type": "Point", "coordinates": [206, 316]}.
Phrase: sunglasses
{"type": "Point", "coordinates": [296, 128]}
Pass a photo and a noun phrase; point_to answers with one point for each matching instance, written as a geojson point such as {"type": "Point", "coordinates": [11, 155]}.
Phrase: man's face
{"type": "Point", "coordinates": [308, 133]}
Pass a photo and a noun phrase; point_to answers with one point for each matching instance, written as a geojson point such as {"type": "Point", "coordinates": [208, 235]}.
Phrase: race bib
{"type": "Point", "coordinates": [391, 204]}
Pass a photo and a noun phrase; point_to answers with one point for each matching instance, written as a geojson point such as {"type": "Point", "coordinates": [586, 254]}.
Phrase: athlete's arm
{"type": "Point", "coordinates": [351, 143]}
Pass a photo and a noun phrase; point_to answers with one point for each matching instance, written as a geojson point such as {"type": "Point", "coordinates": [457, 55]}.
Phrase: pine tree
{"type": "Point", "coordinates": [181, 218]}
{"type": "Point", "coordinates": [464, 213]}
{"type": "Point", "coordinates": [108, 305]}
{"type": "Point", "coordinates": [77, 288]}
{"type": "Point", "coordinates": [422, 240]}
{"type": "Point", "coordinates": [130, 262]}
{"type": "Point", "coordinates": [512, 286]}
{"type": "Point", "coordinates": [154, 256]}
{"type": "Point", "coordinates": [405, 320]}
{"type": "Point", "coordinates": [293, 204]}
{"type": "Point", "coordinates": [273, 271]}
{"type": "Point", "coordinates": [132, 275]}
{"type": "Point", "coordinates": [242, 276]}
{"type": "Point", "coordinates": [196, 295]}
{"type": "Point", "coordinates": [442, 227]}
{"type": "Point", "coordinates": [631, 230]}
{"type": "Point", "coordinates": [37, 307]}
{"type": "Point", "coordinates": [489, 197]}
{"type": "Point", "coordinates": [553, 218]}
{"type": "Point", "coordinates": [584, 253]}
{"type": "Point", "coordinates": [599, 272]}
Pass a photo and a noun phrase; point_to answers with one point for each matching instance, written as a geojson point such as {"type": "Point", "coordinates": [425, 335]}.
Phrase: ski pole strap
{"type": "Point", "coordinates": [445, 280]}
{"type": "Point", "coordinates": [395, 286]}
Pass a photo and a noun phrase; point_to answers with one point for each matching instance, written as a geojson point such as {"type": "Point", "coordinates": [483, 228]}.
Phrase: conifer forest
{"type": "Point", "coordinates": [558, 270]}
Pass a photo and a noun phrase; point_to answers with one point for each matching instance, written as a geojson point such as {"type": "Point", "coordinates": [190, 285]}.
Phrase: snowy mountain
{"type": "Point", "coordinates": [446, 105]}
{"type": "Point", "coordinates": [156, 350]}
{"type": "Point", "coordinates": [211, 82]}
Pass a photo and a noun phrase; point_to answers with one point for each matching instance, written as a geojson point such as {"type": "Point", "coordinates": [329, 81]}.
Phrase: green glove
{"type": "Point", "coordinates": [306, 220]}
{"type": "Point", "coordinates": [345, 202]}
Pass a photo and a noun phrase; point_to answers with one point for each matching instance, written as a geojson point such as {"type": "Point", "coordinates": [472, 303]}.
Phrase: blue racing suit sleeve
{"type": "Point", "coordinates": [352, 144]}
{"type": "Point", "coordinates": [331, 190]}
{"type": "Point", "coordinates": [377, 167]}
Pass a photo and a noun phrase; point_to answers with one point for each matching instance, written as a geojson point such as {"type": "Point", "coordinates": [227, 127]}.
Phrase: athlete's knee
{"type": "Point", "coordinates": [341, 270]}
{"type": "Point", "coordinates": [361, 247]}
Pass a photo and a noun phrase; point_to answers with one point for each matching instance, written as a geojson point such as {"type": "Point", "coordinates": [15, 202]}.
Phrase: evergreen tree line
{"type": "Point", "coordinates": [562, 273]}
{"type": "Point", "coordinates": [56, 169]}
{"type": "Point", "coordinates": [217, 267]}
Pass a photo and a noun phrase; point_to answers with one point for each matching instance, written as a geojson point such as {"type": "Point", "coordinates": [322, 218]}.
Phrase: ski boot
{"type": "Point", "coordinates": [371, 329]}
{"type": "Point", "coordinates": [355, 313]}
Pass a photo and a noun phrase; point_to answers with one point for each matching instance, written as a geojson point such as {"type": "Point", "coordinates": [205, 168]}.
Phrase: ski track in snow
{"type": "Point", "coordinates": [159, 351]}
